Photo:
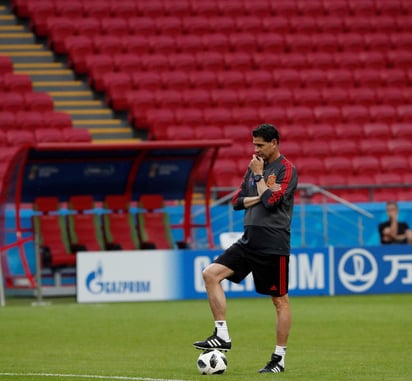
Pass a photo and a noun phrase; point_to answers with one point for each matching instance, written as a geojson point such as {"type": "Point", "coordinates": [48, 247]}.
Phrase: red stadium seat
{"type": "Point", "coordinates": [17, 83]}
{"type": "Point", "coordinates": [327, 114]}
{"type": "Point", "coordinates": [314, 78]}
{"type": "Point", "coordinates": [38, 12]}
{"type": "Point", "coordinates": [114, 26]}
{"type": "Point", "coordinates": [351, 42]}
{"type": "Point", "coordinates": [279, 96]}
{"type": "Point", "coordinates": [338, 164]}
{"type": "Point", "coordinates": [242, 42]}
{"type": "Point", "coordinates": [404, 113]}
{"type": "Point", "coordinates": [71, 9]}
{"type": "Point", "coordinates": [210, 60]}
{"type": "Point", "coordinates": [224, 97]}
{"type": "Point", "coordinates": [344, 147]}
{"type": "Point", "coordinates": [153, 222]}
{"type": "Point", "coordinates": [6, 64]}
{"type": "Point", "coordinates": [270, 42]}
{"type": "Point", "coordinates": [84, 224]}
{"type": "Point", "coordinates": [119, 224]}
{"type": "Point", "coordinates": [48, 135]}
{"type": "Point", "coordinates": [196, 97]}
{"type": "Point", "coordinates": [238, 61]}
{"type": "Point", "coordinates": [374, 146]}
{"type": "Point", "coordinates": [335, 96]}
{"type": "Point", "coordinates": [147, 80]}
{"type": "Point", "coordinates": [312, 166]}
{"type": "Point", "coordinates": [304, 24]}
{"type": "Point", "coordinates": [300, 114]}
{"type": "Point", "coordinates": [364, 165]}
{"type": "Point", "coordinates": [8, 120]}
{"type": "Point", "coordinates": [309, 96]}
{"type": "Point", "coordinates": [316, 148]}
{"type": "Point", "coordinates": [363, 96]}
{"type": "Point", "coordinates": [286, 78]}
{"type": "Point", "coordinates": [58, 29]}
{"type": "Point", "coordinates": [142, 26]}
{"type": "Point", "coordinates": [135, 44]}
{"type": "Point", "coordinates": [168, 98]}
{"type": "Point", "coordinates": [260, 79]}
{"type": "Point", "coordinates": [325, 42]}
{"type": "Point", "coordinates": [276, 115]}
{"type": "Point", "coordinates": [107, 44]}
{"type": "Point", "coordinates": [323, 132]}
{"type": "Point", "coordinates": [50, 227]}
{"type": "Point", "coordinates": [383, 113]}
{"type": "Point", "coordinates": [355, 114]}
{"type": "Point", "coordinates": [149, 62]}
{"type": "Point", "coordinates": [77, 47]}
{"type": "Point", "coordinates": [350, 130]}
{"type": "Point", "coordinates": [217, 116]}
{"type": "Point", "coordinates": [222, 24]}
{"type": "Point", "coordinates": [30, 120]}
{"type": "Point", "coordinates": [188, 43]}
{"type": "Point", "coordinates": [178, 132]}
{"type": "Point", "coordinates": [123, 9]}
{"type": "Point", "coordinates": [195, 25]}
{"type": "Point", "coordinates": [401, 130]}
{"type": "Point", "coordinates": [233, 79]}
{"type": "Point", "coordinates": [162, 44]}
{"type": "Point", "coordinates": [370, 77]}
{"type": "Point", "coordinates": [340, 77]}
{"type": "Point", "coordinates": [19, 137]}
{"type": "Point", "coordinates": [97, 9]}
{"type": "Point", "coordinates": [252, 22]}
{"type": "Point", "coordinates": [399, 164]}
{"type": "Point", "coordinates": [12, 102]}
{"type": "Point", "coordinates": [377, 130]}
{"type": "Point", "coordinates": [299, 42]}
{"type": "Point", "coordinates": [76, 134]}
{"type": "Point", "coordinates": [378, 41]}
{"type": "Point", "coordinates": [87, 26]}
{"type": "Point", "coordinates": [399, 146]}
{"type": "Point", "coordinates": [38, 101]}
{"type": "Point", "coordinates": [253, 97]}
{"type": "Point", "coordinates": [215, 42]}
{"type": "Point", "coordinates": [276, 24]}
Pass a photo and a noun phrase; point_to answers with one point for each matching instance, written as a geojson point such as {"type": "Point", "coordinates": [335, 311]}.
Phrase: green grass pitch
{"type": "Point", "coordinates": [357, 338]}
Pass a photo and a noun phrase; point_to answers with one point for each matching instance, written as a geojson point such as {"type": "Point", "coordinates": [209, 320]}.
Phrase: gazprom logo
{"type": "Point", "coordinates": [96, 284]}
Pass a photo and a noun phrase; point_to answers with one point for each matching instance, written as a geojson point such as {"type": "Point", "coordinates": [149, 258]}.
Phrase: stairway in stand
{"type": "Point", "coordinates": [49, 73]}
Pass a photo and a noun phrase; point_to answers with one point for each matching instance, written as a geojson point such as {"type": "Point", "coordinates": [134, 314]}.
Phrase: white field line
{"type": "Point", "coordinates": [88, 376]}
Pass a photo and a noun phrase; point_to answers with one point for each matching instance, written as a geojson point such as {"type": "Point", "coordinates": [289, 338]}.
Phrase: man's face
{"type": "Point", "coordinates": [264, 150]}
{"type": "Point", "coordinates": [392, 210]}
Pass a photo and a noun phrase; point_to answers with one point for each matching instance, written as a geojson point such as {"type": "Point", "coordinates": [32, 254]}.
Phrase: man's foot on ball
{"type": "Point", "coordinates": [213, 342]}
{"type": "Point", "coordinates": [273, 366]}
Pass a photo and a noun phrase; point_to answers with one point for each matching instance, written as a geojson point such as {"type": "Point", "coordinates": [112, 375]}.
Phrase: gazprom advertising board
{"type": "Point", "coordinates": [170, 275]}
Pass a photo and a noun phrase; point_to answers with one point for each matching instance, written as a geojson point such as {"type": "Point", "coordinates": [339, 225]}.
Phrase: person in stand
{"type": "Point", "coordinates": [394, 231]}
{"type": "Point", "coordinates": [266, 194]}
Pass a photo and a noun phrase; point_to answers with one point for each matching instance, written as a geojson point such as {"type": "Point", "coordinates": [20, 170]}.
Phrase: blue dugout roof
{"type": "Point", "coordinates": [174, 169]}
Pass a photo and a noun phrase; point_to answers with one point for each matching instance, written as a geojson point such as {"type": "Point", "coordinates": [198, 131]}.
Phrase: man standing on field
{"type": "Point", "coordinates": [266, 194]}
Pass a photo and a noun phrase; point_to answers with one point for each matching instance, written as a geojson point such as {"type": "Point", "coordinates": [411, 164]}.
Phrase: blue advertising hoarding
{"type": "Point", "coordinates": [177, 274]}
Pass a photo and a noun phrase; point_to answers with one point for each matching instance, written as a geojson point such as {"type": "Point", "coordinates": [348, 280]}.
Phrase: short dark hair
{"type": "Point", "coordinates": [266, 131]}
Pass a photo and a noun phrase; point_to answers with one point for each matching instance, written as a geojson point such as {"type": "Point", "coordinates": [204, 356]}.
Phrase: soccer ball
{"type": "Point", "coordinates": [212, 362]}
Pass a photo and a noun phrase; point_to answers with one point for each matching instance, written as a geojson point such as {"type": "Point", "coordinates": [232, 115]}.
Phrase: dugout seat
{"type": "Point", "coordinates": [50, 227]}
{"type": "Point", "coordinates": [84, 225]}
{"type": "Point", "coordinates": [154, 224]}
{"type": "Point", "coordinates": [119, 224]}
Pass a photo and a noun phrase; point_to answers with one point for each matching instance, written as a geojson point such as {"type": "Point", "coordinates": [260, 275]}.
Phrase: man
{"type": "Point", "coordinates": [266, 194]}
{"type": "Point", "coordinates": [394, 231]}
